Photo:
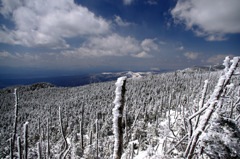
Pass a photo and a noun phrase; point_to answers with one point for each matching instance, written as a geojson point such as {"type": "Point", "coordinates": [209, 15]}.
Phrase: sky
{"type": "Point", "coordinates": [63, 37]}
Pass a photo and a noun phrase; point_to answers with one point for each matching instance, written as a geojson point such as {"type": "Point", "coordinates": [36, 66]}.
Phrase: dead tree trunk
{"type": "Point", "coordinates": [48, 143]}
{"type": "Point", "coordinates": [210, 106]}
{"type": "Point", "coordinates": [97, 138]}
{"type": "Point", "coordinates": [11, 148]}
{"type": "Point", "coordinates": [15, 121]}
{"type": "Point", "coordinates": [61, 129]}
{"type": "Point", "coordinates": [25, 140]}
{"type": "Point", "coordinates": [117, 117]}
{"type": "Point", "coordinates": [81, 127]}
{"type": "Point", "coordinates": [19, 148]}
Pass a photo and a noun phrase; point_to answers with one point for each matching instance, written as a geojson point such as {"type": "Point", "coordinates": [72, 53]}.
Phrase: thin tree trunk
{"type": "Point", "coordinates": [39, 151]}
{"type": "Point", "coordinates": [179, 142]}
{"type": "Point", "coordinates": [211, 104]}
{"type": "Point", "coordinates": [19, 148]}
{"type": "Point", "coordinates": [201, 102]}
{"type": "Point", "coordinates": [117, 117]}
{"type": "Point", "coordinates": [81, 127]}
{"type": "Point", "coordinates": [61, 129]}
{"type": "Point", "coordinates": [48, 143]}
{"type": "Point", "coordinates": [25, 140]}
{"type": "Point", "coordinates": [126, 130]}
{"type": "Point", "coordinates": [11, 148]}
{"type": "Point", "coordinates": [97, 138]}
{"type": "Point", "coordinates": [15, 120]}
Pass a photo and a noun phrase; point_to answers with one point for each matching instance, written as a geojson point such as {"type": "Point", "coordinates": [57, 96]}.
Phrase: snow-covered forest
{"type": "Point", "coordinates": [192, 113]}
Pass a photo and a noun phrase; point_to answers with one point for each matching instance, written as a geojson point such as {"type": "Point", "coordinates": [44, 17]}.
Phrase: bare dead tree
{"type": "Point", "coordinates": [15, 120]}
{"type": "Point", "coordinates": [25, 140]}
{"type": "Point", "coordinates": [64, 139]}
{"type": "Point", "coordinates": [97, 138]}
{"type": "Point", "coordinates": [201, 102]}
{"type": "Point", "coordinates": [117, 117]}
{"type": "Point", "coordinates": [39, 150]}
{"type": "Point", "coordinates": [19, 148]}
{"type": "Point", "coordinates": [48, 143]}
{"type": "Point", "coordinates": [11, 148]}
{"type": "Point", "coordinates": [81, 127]}
{"type": "Point", "coordinates": [210, 106]}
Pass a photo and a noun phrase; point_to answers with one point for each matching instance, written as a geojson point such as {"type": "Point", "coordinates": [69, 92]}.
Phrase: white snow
{"type": "Point", "coordinates": [134, 75]}
{"type": "Point", "coordinates": [107, 73]}
{"type": "Point", "coordinates": [158, 150]}
{"type": "Point", "coordinates": [226, 63]}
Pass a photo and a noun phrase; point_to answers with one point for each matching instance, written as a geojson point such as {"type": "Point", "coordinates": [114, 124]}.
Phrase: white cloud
{"type": "Point", "coordinates": [5, 54]}
{"type": "Point", "coordinates": [142, 54]}
{"type": "Point", "coordinates": [120, 22]}
{"type": "Point", "coordinates": [8, 6]}
{"type": "Point", "coordinates": [216, 38]}
{"type": "Point", "coordinates": [218, 59]}
{"type": "Point", "coordinates": [19, 57]}
{"type": "Point", "coordinates": [127, 2]}
{"type": "Point", "coordinates": [149, 44]}
{"type": "Point", "coordinates": [162, 42]}
{"type": "Point", "coordinates": [112, 45]}
{"type": "Point", "coordinates": [191, 55]}
{"type": "Point", "coordinates": [155, 69]}
{"type": "Point", "coordinates": [43, 23]}
{"type": "Point", "coordinates": [211, 19]}
{"type": "Point", "coordinates": [180, 48]}
{"type": "Point", "coordinates": [152, 2]}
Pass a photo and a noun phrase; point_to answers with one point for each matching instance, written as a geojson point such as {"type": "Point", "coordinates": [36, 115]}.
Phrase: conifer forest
{"type": "Point", "coordinates": [191, 113]}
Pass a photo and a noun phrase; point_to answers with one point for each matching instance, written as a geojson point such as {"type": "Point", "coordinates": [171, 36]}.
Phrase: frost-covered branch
{"type": "Point", "coordinates": [61, 129]}
{"type": "Point", "coordinates": [210, 105]}
{"type": "Point", "coordinates": [19, 148]}
{"type": "Point", "coordinates": [48, 142]}
{"type": "Point", "coordinates": [117, 117]}
{"type": "Point", "coordinates": [25, 140]}
{"type": "Point", "coordinates": [15, 121]}
{"type": "Point", "coordinates": [202, 101]}
{"type": "Point", "coordinates": [179, 142]}
{"type": "Point", "coordinates": [97, 138]}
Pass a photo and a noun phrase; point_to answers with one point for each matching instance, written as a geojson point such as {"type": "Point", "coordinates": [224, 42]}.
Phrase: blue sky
{"type": "Point", "coordinates": [70, 37]}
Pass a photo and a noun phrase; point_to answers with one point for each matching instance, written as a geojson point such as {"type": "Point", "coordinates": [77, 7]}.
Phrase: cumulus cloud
{"type": "Point", "coordinates": [149, 44]}
{"type": "Point", "coordinates": [5, 54]}
{"type": "Point", "coordinates": [15, 59]}
{"type": "Point", "coordinates": [142, 54]}
{"type": "Point", "coordinates": [120, 22]}
{"type": "Point", "coordinates": [127, 2]}
{"type": "Point", "coordinates": [111, 45]}
{"type": "Point", "coordinates": [191, 55]}
{"type": "Point", "coordinates": [37, 22]}
{"type": "Point", "coordinates": [180, 48]}
{"type": "Point", "coordinates": [210, 19]}
{"type": "Point", "coordinates": [152, 2]}
{"type": "Point", "coordinates": [162, 42]}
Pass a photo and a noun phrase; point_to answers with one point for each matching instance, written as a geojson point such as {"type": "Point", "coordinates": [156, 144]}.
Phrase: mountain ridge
{"type": "Point", "coordinates": [75, 80]}
{"type": "Point", "coordinates": [84, 79]}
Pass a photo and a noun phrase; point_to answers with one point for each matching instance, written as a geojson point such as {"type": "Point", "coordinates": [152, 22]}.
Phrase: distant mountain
{"type": "Point", "coordinates": [84, 79]}
{"type": "Point", "coordinates": [205, 68]}
{"type": "Point", "coordinates": [76, 80]}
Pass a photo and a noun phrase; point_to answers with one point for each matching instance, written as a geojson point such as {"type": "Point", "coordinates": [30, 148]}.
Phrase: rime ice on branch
{"type": "Point", "coordinates": [15, 120]}
{"type": "Point", "coordinates": [210, 105]}
{"type": "Point", "coordinates": [117, 117]}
